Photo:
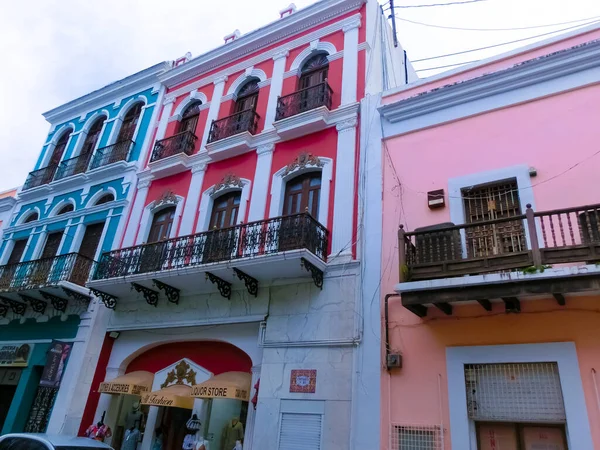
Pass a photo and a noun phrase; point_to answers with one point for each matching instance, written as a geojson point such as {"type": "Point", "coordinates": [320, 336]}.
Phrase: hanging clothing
{"type": "Point", "coordinates": [232, 433]}
{"type": "Point", "coordinates": [193, 424]}
{"type": "Point", "coordinates": [103, 432]}
{"type": "Point", "coordinates": [201, 444]}
{"type": "Point", "coordinates": [131, 440]}
{"type": "Point", "coordinates": [189, 442]}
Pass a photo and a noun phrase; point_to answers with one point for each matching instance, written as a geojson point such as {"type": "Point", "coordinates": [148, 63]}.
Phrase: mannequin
{"type": "Point", "coordinates": [132, 437]}
{"type": "Point", "coordinates": [134, 417]}
{"type": "Point", "coordinates": [189, 441]}
{"type": "Point", "coordinates": [233, 432]}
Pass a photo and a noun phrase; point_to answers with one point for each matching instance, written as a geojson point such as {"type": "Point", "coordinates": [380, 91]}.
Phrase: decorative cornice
{"type": "Point", "coordinates": [302, 161]}
{"type": "Point", "coordinates": [167, 198]}
{"type": "Point", "coordinates": [230, 180]}
{"type": "Point", "coordinates": [265, 149]}
{"type": "Point", "coordinates": [355, 24]}
{"type": "Point", "coordinates": [346, 124]}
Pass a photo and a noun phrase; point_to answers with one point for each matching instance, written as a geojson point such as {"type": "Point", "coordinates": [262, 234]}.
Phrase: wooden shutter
{"type": "Point", "coordinates": [300, 431]}
{"type": "Point", "coordinates": [189, 119]}
{"type": "Point", "coordinates": [225, 211]}
{"type": "Point", "coordinates": [52, 244]}
{"type": "Point", "coordinates": [92, 137]}
{"type": "Point", "coordinates": [59, 149]}
{"type": "Point", "coordinates": [161, 225]}
{"type": "Point", "coordinates": [130, 123]}
{"type": "Point", "coordinates": [91, 239]}
{"type": "Point", "coordinates": [17, 252]}
{"type": "Point", "coordinates": [302, 193]}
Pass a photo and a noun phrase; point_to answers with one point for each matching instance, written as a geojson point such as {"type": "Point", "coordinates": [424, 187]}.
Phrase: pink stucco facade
{"type": "Point", "coordinates": [558, 136]}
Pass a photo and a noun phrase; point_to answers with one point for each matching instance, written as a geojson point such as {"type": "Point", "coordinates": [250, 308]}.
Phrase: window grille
{"type": "Point", "coordinates": [528, 392]}
{"type": "Point", "coordinates": [416, 437]}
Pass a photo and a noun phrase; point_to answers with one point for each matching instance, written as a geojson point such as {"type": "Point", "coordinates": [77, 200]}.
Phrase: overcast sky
{"type": "Point", "coordinates": [56, 50]}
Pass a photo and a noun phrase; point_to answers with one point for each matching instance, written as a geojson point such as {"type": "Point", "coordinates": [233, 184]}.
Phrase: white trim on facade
{"type": "Point", "coordinates": [194, 96]}
{"type": "Point", "coordinates": [150, 210]}
{"type": "Point", "coordinates": [250, 72]}
{"type": "Point", "coordinates": [82, 136]}
{"type": "Point", "coordinates": [563, 353]}
{"type": "Point", "coordinates": [192, 198]}
{"type": "Point", "coordinates": [260, 192]}
{"type": "Point", "coordinates": [114, 133]}
{"type": "Point", "coordinates": [207, 201]}
{"type": "Point", "coordinates": [279, 61]}
{"type": "Point", "coordinates": [316, 46]}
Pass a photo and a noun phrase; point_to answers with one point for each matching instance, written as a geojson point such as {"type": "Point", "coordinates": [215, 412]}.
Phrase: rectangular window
{"type": "Point", "coordinates": [300, 431]}
{"type": "Point", "coordinates": [517, 436]}
{"type": "Point", "coordinates": [411, 437]}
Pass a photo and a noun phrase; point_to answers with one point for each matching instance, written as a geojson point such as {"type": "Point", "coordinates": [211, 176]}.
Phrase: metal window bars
{"type": "Point", "coordinates": [240, 122]}
{"type": "Point", "coordinates": [111, 154]}
{"type": "Point", "coordinates": [179, 143]}
{"type": "Point", "coordinates": [304, 100]}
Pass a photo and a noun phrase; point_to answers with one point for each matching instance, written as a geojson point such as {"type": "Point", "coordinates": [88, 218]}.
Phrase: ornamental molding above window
{"type": "Point", "coordinates": [168, 198]}
{"type": "Point", "coordinates": [182, 374]}
{"type": "Point", "coordinates": [302, 161]}
{"type": "Point", "coordinates": [229, 181]}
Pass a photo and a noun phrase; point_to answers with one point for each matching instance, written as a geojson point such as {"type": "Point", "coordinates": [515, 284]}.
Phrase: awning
{"type": "Point", "coordinates": [133, 383]}
{"type": "Point", "coordinates": [176, 396]}
{"type": "Point", "coordinates": [235, 385]}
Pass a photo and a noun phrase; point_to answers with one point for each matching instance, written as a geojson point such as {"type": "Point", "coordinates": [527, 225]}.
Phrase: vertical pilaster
{"type": "Point", "coordinates": [343, 204]}
{"type": "Point", "coordinates": [276, 87]}
{"type": "Point", "coordinates": [249, 434]}
{"type": "Point", "coordinates": [192, 199]}
{"type": "Point", "coordinates": [164, 118]}
{"type": "Point", "coordinates": [136, 214]}
{"type": "Point", "coordinates": [350, 62]}
{"type": "Point", "coordinates": [213, 110]}
{"type": "Point", "coordinates": [262, 176]}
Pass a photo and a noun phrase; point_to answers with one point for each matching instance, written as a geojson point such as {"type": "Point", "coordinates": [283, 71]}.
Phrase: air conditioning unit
{"type": "Point", "coordinates": [394, 361]}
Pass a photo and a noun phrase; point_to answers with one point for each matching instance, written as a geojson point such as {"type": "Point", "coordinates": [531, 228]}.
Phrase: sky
{"type": "Point", "coordinates": [54, 51]}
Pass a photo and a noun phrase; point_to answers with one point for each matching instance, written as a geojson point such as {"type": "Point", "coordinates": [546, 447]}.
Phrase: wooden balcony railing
{"type": "Point", "coordinates": [72, 166]}
{"type": "Point", "coordinates": [304, 100]}
{"type": "Point", "coordinates": [39, 177]}
{"type": "Point", "coordinates": [231, 125]}
{"type": "Point", "coordinates": [536, 239]}
{"type": "Point", "coordinates": [174, 145]}
{"type": "Point", "coordinates": [40, 273]}
{"type": "Point", "coordinates": [300, 231]}
{"type": "Point", "coordinates": [111, 154]}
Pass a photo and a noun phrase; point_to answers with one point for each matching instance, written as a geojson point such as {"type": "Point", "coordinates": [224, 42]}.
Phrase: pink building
{"type": "Point", "coordinates": [490, 188]}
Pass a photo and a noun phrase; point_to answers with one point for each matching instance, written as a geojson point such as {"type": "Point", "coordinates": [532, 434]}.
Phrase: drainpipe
{"type": "Point", "coordinates": [387, 330]}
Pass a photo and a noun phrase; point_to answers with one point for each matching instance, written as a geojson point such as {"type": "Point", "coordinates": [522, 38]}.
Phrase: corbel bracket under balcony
{"type": "Point", "coordinates": [110, 301]}
{"type": "Point", "coordinates": [17, 307]}
{"type": "Point", "coordinates": [315, 272]}
{"type": "Point", "coordinates": [3, 310]}
{"type": "Point", "coordinates": [38, 306]}
{"type": "Point", "coordinates": [58, 303]}
{"type": "Point", "coordinates": [76, 295]}
{"type": "Point", "coordinates": [223, 286]}
{"type": "Point", "coordinates": [171, 292]}
{"type": "Point", "coordinates": [150, 295]}
{"type": "Point", "coordinates": [250, 282]}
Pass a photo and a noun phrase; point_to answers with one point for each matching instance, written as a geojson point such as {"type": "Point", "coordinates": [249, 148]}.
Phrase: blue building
{"type": "Point", "coordinates": [72, 207]}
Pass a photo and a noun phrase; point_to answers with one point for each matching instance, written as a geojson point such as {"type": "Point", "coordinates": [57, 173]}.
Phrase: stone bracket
{"type": "Point", "coordinates": [17, 307]}
{"type": "Point", "coordinates": [76, 295]}
{"type": "Point", "coordinates": [171, 292]}
{"type": "Point", "coordinates": [110, 301]}
{"type": "Point", "coordinates": [150, 295]}
{"type": "Point", "coordinates": [315, 272]}
{"type": "Point", "coordinates": [39, 306]}
{"type": "Point", "coordinates": [250, 282]}
{"type": "Point", "coordinates": [224, 286]}
{"type": "Point", "coordinates": [58, 303]}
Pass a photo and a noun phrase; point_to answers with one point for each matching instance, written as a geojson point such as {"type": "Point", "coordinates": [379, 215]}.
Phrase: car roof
{"type": "Point", "coordinates": [60, 440]}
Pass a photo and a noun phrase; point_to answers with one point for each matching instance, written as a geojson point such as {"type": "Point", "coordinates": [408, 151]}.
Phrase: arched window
{"type": "Point", "coordinates": [65, 209]}
{"type": "Point", "coordinates": [189, 118]}
{"type": "Point", "coordinates": [314, 71]}
{"type": "Point", "coordinates": [222, 240]}
{"type": "Point", "coordinates": [225, 210]}
{"type": "Point", "coordinates": [59, 149]}
{"type": "Point", "coordinates": [162, 222]}
{"type": "Point", "coordinates": [105, 199]}
{"type": "Point", "coordinates": [302, 194]}
{"type": "Point", "coordinates": [130, 122]}
{"type": "Point", "coordinates": [247, 96]}
{"type": "Point", "coordinates": [31, 218]}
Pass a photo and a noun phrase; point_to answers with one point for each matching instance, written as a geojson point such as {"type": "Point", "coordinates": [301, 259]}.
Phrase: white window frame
{"type": "Point", "coordinates": [301, 407]}
{"type": "Point", "coordinates": [208, 199]}
{"type": "Point", "coordinates": [148, 215]}
{"type": "Point", "coordinates": [564, 354]}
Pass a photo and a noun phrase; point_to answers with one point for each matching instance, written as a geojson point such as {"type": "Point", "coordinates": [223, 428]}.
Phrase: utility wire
{"type": "Point", "coordinates": [496, 29]}
{"type": "Point", "coordinates": [440, 4]}
{"type": "Point", "coordinates": [504, 43]}
{"type": "Point", "coordinates": [449, 65]}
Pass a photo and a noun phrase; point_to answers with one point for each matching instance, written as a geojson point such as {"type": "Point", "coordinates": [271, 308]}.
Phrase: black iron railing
{"type": "Point", "coordinates": [570, 235]}
{"type": "Point", "coordinates": [111, 154]}
{"type": "Point", "coordinates": [39, 177]}
{"type": "Point", "coordinates": [38, 273]}
{"type": "Point", "coordinates": [304, 100]}
{"type": "Point", "coordinates": [178, 143]}
{"type": "Point", "coordinates": [300, 231]}
{"type": "Point", "coordinates": [72, 166]}
{"type": "Point", "coordinates": [236, 123]}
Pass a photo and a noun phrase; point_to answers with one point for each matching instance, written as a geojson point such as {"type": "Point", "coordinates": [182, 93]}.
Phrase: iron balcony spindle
{"type": "Point", "coordinates": [304, 100]}
{"type": "Point", "coordinates": [112, 153]}
{"type": "Point", "coordinates": [231, 125]}
{"type": "Point", "coordinates": [72, 166]}
{"type": "Point", "coordinates": [40, 177]}
{"type": "Point", "coordinates": [174, 145]}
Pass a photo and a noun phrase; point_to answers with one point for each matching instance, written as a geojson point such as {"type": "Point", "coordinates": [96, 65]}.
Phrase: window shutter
{"type": "Point", "coordinates": [514, 392]}
{"type": "Point", "coordinates": [300, 432]}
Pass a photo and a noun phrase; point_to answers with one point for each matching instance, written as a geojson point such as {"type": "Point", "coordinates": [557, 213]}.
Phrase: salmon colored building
{"type": "Point", "coordinates": [491, 330]}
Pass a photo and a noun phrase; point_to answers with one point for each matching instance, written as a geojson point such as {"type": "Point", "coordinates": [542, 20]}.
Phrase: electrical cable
{"type": "Point", "coordinates": [448, 65]}
{"type": "Point", "coordinates": [496, 29]}
{"type": "Point", "coordinates": [503, 43]}
{"type": "Point", "coordinates": [440, 4]}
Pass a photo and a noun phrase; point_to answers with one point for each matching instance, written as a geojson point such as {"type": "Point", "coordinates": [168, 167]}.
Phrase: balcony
{"type": "Point", "coordinates": [112, 154]}
{"type": "Point", "coordinates": [232, 135]}
{"type": "Point", "coordinates": [178, 144]}
{"type": "Point", "coordinates": [304, 100]}
{"type": "Point", "coordinates": [39, 177]}
{"type": "Point", "coordinates": [33, 285]}
{"type": "Point", "coordinates": [72, 166]}
{"type": "Point", "coordinates": [503, 259]}
{"type": "Point", "coordinates": [287, 247]}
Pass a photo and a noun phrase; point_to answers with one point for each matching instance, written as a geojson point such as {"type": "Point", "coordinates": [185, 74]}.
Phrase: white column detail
{"type": "Point", "coordinates": [191, 202]}
{"type": "Point", "coordinates": [276, 87]}
{"type": "Point", "coordinates": [164, 119]}
{"type": "Point", "coordinates": [350, 62]}
{"type": "Point", "coordinates": [249, 434]}
{"type": "Point", "coordinates": [213, 110]}
{"type": "Point", "coordinates": [343, 203]}
{"type": "Point", "coordinates": [262, 176]}
{"type": "Point", "coordinates": [136, 213]}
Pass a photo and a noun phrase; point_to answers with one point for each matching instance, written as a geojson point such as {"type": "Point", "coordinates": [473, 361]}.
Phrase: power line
{"type": "Point", "coordinates": [441, 4]}
{"type": "Point", "coordinates": [504, 43]}
{"type": "Point", "coordinates": [495, 29]}
{"type": "Point", "coordinates": [449, 65]}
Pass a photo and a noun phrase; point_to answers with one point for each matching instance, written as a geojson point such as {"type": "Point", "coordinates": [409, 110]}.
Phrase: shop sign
{"type": "Point", "coordinates": [157, 400]}
{"type": "Point", "coordinates": [122, 388]}
{"type": "Point", "coordinates": [56, 360]}
{"type": "Point", "coordinates": [220, 392]}
{"type": "Point", "coordinates": [15, 355]}
{"type": "Point", "coordinates": [303, 381]}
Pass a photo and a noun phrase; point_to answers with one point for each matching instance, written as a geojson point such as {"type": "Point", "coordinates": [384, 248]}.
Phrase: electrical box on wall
{"type": "Point", "coordinates": [436, 199]}
{"type": "Point", "coordinates": [394, 361]}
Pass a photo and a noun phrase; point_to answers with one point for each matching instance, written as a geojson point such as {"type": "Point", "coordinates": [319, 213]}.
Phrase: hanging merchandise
{"type": "Point", "coordinates": [193, 424]}
{"type": "Point", "coordinates": [132, 437]}
{"type": "Point", "coordinates": [189, 441]}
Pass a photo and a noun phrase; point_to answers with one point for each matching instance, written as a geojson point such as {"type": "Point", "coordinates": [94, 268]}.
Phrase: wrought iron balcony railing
{"type": "Point", "coordinates": [178, 143]}
{"type": "Point", "coordinates": [300, 231]}
{"type": "Point", "coordinates": [231, 125]}
{"type": "Point", "coordinates": [72, 166]}
{"type": "Point", "coordinates": [38, 273]}
{"type": "Point", "coordinates": [111, 154]}
{"type": "Point", "coordinates": [569, 235]}
{"type": "Point", "coordinates": [304, 100]}
{"type": "Point", "coordinates": [40, 177]}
